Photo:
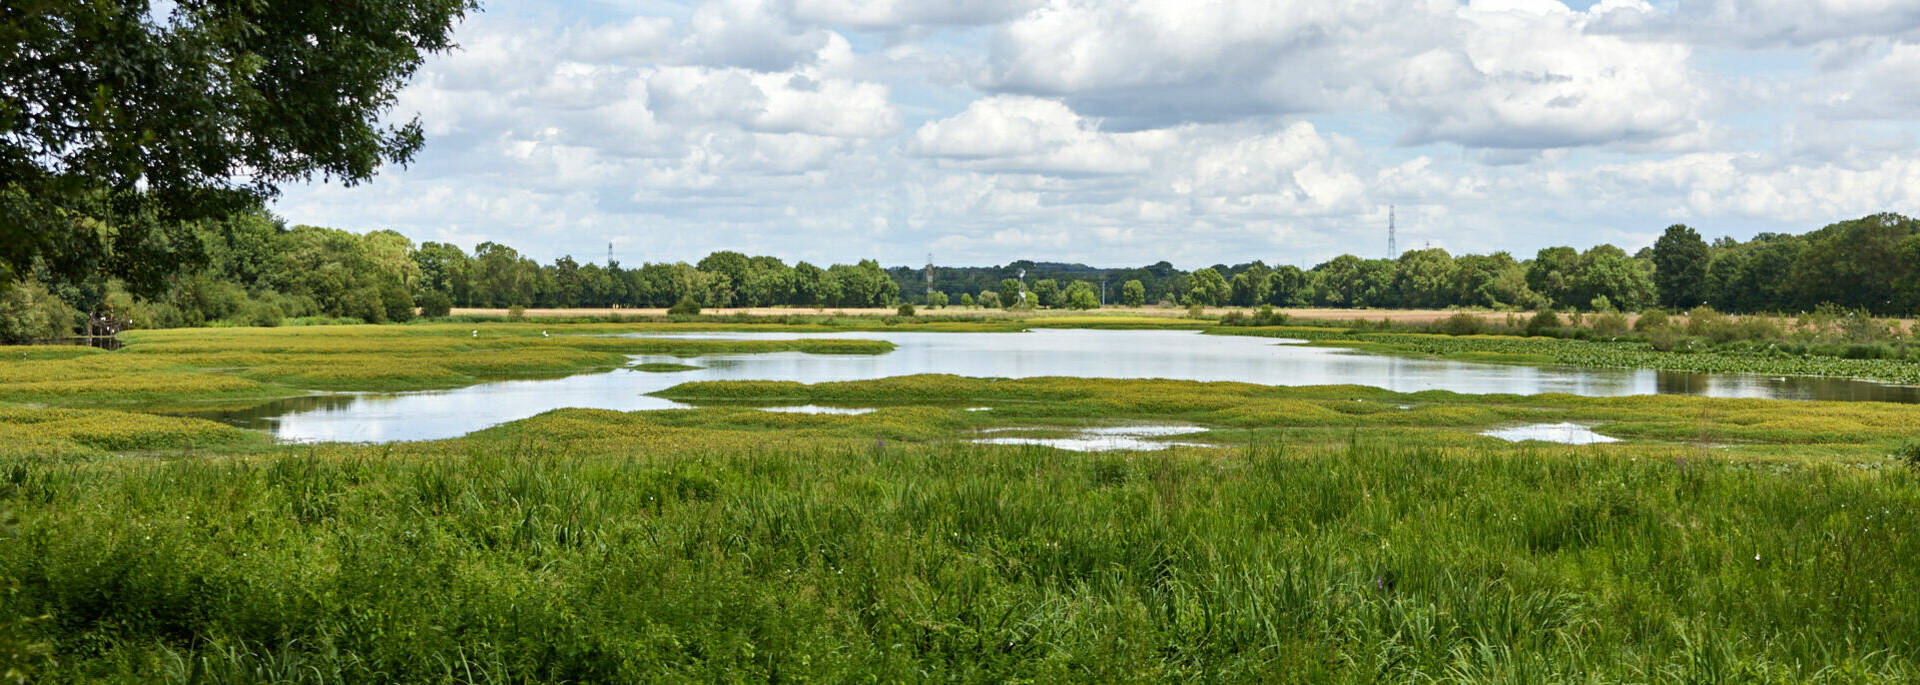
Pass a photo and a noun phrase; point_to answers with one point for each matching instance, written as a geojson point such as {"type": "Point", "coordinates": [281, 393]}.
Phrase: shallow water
{"type": "Point", "coordinates": [1182, 355]}
{"type": "Point", "coordinates": [817, 409]}
{"type": "Point", "coordinates": [1104, 439]}
{"type": "Point", "coordinates": [1563, 433]}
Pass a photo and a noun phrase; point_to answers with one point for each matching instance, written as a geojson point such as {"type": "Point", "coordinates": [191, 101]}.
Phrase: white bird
{"type": "Point", "coordinates": [476, 333]}
{"type": "Point", "coordinates": [543, 334]}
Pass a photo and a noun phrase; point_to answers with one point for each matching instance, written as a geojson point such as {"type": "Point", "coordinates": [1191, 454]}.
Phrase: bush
{"type": "Point", "coordinates": [1610, 323]}
{"type": "Point", "coordinates": [904, 310]}
{"type": "Point", "coordinates": [1544, 323]}
{"type": "Point", "coordinates": [434, 304]}
{"type": "Point", "coordinates": [1650, 320]}
{"type": "Point", "coordinates": [261, 313]}
{"type": "Point", "coordinates": [1196, 311]}
{"type": "Point", "coordinates": [988, 299]}
{"type": "Point", "coordinates": [1703, 320]}
{"type": "Point", "coordinates": [685, 307]}
{"type": "Point", "coordinates": [1461, 323]}
{"type": "Point", "coordinates": [29, 312]}
{"type": "Point", "coordinates": [1909, 454]}
{"type": "Point", "coordinates": [519, 313]}
{"type": "Point", "coordinates": [1668, 339]}
{"type": "Point", "coordinates": [396, 302]}
{"type": "Point", "coordinates": [1869, 351]}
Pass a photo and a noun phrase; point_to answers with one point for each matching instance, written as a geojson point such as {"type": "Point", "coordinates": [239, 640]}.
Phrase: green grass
{"type": "Point", "coordinates": [503, 560]}
{"type": "Point", "coordinates": [665, 367]}
{"type": "Point", "coordinates": [189, 369]}
{"type": "Point", "coordinates": [1335, 533]}
{"type": "Point", "coordinates": [1242, 412]}
{"type": "Point", "coordinates": [1502, 349]}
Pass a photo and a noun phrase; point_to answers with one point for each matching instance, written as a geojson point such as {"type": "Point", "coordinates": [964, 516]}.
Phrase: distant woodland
{"type": "Point", "coordinates": [252, 269]}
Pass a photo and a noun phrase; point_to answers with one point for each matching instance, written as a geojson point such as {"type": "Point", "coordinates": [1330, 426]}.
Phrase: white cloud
{"type": "Point", "coordinates": [897, 14]}
{"type": "Point", "coordinates": [1129, 132]}
{"type": "Point", "coordinates": [1762, 24]}
{"type": "Point", "coordinates": [1508, 74]}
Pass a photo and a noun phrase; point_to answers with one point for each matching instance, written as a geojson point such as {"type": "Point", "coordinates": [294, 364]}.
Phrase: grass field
{"type": "Point", "coordinates": [1337, 533]}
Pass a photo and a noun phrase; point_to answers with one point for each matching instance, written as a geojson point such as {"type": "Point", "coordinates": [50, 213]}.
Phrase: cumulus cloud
{"type": "Point", "coordinates": [1762, 24]}
{"type": "Point", "coordinates": [1491, 73]}
{"type": "Point", "coordinates": [898, 14]}
{"type": "Point", "coordinates": [1125, 132]}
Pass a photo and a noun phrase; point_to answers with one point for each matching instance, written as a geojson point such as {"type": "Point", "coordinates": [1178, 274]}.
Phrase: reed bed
{"type": "Point", "coordinates": [479, 560]}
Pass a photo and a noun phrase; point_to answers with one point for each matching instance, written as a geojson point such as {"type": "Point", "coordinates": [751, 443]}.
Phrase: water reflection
{"type": "Point", "coordinates": [1183, 355]}
{"type": "Point", "coordinates": [1106, 439]}
{"type": "Point", "coordinates": [1564, 433]}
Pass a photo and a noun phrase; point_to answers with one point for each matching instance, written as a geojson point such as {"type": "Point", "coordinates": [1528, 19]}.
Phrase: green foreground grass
{"type": "Point", "coordinates": [1333, 534]}
{"type": "Point", "coordinates": [485, 560]}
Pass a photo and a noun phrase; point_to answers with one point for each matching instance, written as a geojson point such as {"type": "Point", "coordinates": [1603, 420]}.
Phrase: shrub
{"type": "Point", "coordinates": [29, 312]}
{"type": "Point", "coordinates": [262, 313]}
{"type": "Point", "coordinates": [1544, 323]}
{"type": "Point", "coordinates": [1610, 323]}
{"type": "Point", "coordinates": [905, 309]}
{"type": "Point", "coordinates": [1909, 454]}
{"type": "Point", "coordinates": [1701, 319]}
{"type": "Point", "coordinates": [434, 303]}
{"type": "Point", "coordinates": [519, 313]}
{"type": "Point", "coordinates": [685, 307]}
{"type": "Point", "coordinates": [1869, 351]}
{"type": "Point", "coordinates": [1649, 320]}
{"type": "Point", "coordinates": [1196, 311]}
{"type": "Point", "coordinates": [988, 299]}
{"type": "Point", "coordinates": [396, 301]}
{"type": "Point", "coordinates": [1668, 339]}
{"type": "Point", "coordinates": [1461, 323]}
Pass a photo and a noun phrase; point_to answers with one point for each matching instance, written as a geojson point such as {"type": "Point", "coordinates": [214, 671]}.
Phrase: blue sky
{"type": "Point", "coordinates": [1120, 133]}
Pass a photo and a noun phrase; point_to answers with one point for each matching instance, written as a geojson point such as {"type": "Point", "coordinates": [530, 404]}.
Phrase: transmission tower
{"type": "Point", "coordinates": [929, 276]}
{"type": "Point", "coordinates": [1393, 250]}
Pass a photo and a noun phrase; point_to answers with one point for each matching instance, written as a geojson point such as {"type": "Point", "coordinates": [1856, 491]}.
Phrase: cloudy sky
{"type": "Point", "coordinates": [1123, 133]}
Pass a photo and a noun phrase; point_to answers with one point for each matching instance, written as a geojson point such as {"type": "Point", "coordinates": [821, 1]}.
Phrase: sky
{"type": "Point", "coordinates": [1125, 133]}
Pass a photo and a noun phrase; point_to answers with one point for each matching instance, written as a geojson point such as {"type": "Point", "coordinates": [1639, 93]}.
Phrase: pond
{"type": "Point", "coordinates": [1181, 355]}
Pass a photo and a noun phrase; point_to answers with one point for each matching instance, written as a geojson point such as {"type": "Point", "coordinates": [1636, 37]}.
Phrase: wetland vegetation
{"type": "Point", "coordinates": [906, 526]}
{"type": "Point", "coordinates": [1339, 533]}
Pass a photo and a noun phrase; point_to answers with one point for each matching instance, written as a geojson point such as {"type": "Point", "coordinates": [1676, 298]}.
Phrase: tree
{"type": "Point", "coordinates": [1857, 264]}
{"type": "Point", "coordinates": [1080, 295]}
{"type": "Point", "coordinates": [1010, 291]}
{"type": "Point", "coordinates": [29, 313]}
{"type": "Point", "coordinates": [1133, 293]}
{"type": "Point", "coordinates": [1680, 267]}
{"type": "Point", "coordinates": [1287, 287]}
{"type": "Point", "coordinates": [936, 299]}
{"type": "Point", "coordinates": [1606, 271]}
{"type": "Point", "coordinates": [1209, 288]}
{"type": "Point", "coordinates": [1425, 278]}
{"type": "Point", "coordinates": [1047, 291]}
{"type": "Point", "coordinates": [119, 131]}
{"type": "Point", "coordinates": [1552, 273]}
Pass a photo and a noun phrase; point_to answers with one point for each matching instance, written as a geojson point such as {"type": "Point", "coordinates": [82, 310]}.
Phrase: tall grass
{"type": "Point", "coordinates": [1369, 562]}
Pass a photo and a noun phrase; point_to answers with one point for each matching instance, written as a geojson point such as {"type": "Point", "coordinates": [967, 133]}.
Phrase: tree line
{"type": "Point", "coordinates": [260, 271]}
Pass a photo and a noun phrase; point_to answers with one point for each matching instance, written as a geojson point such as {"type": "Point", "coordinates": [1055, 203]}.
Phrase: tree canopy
{"type": "Point", "coordinates": [120, 129]}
